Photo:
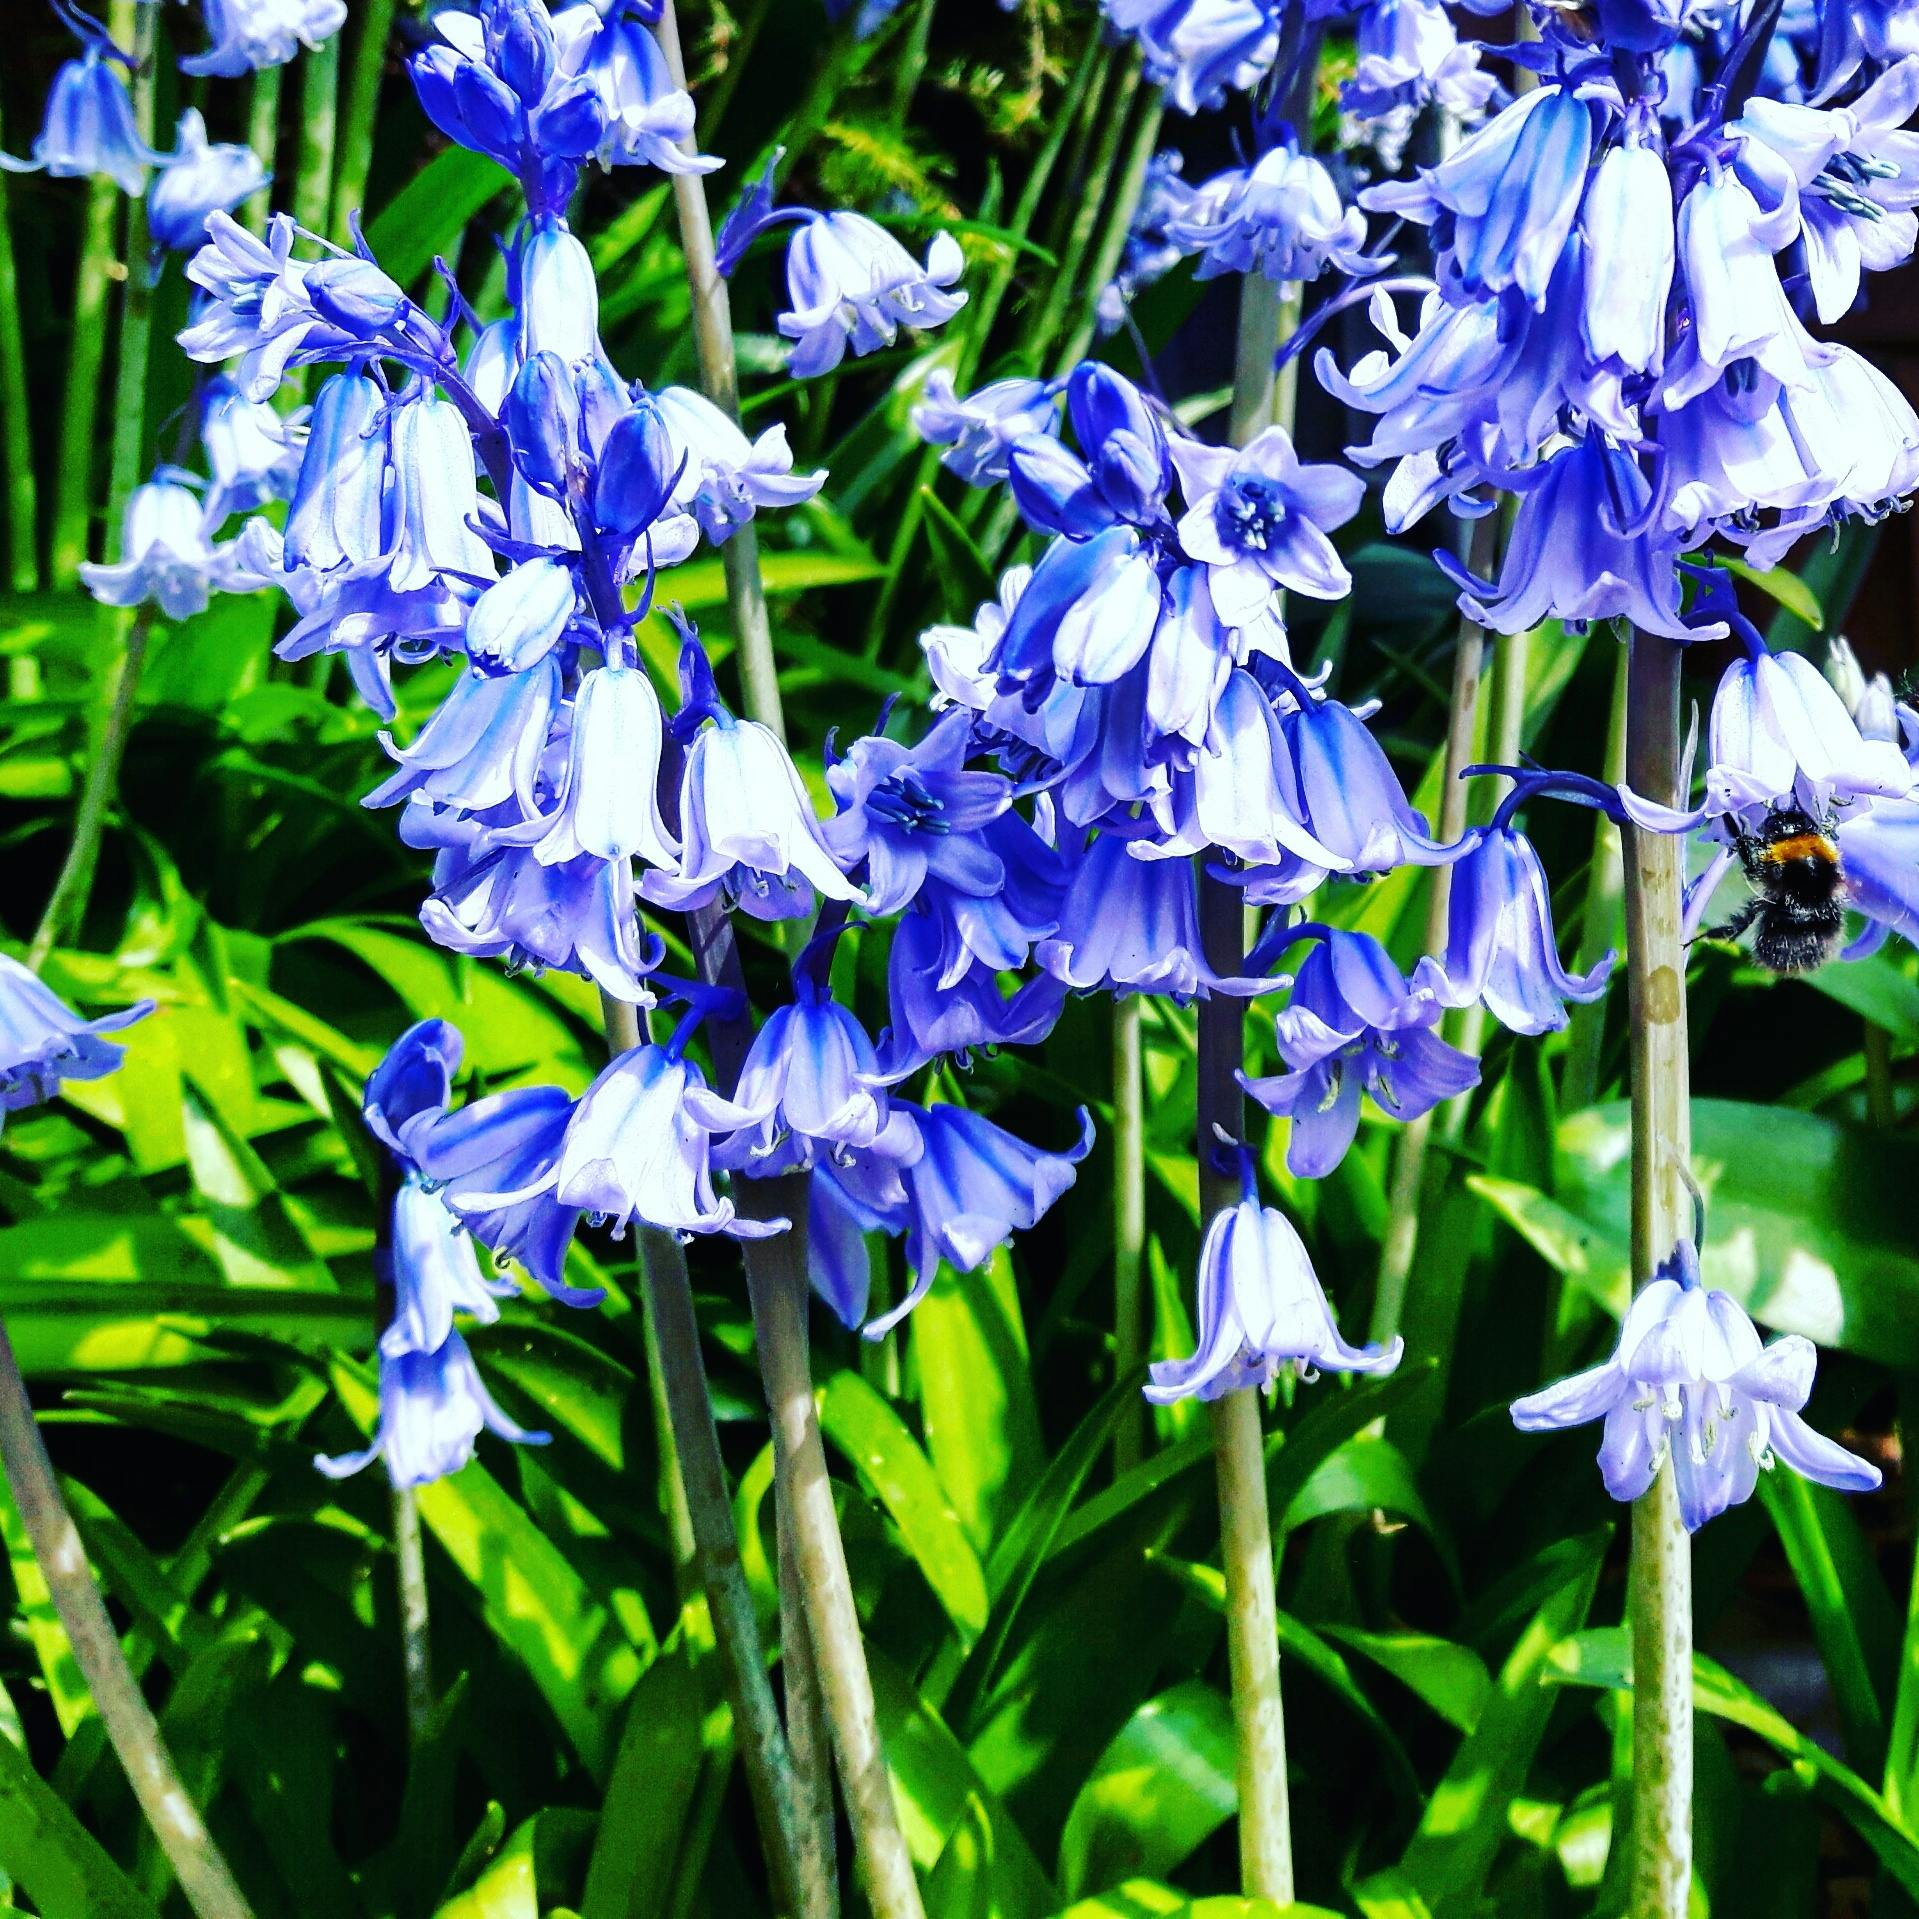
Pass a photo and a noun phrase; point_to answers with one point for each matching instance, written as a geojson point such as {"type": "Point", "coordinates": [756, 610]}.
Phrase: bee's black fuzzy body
{"type": "Point", "coordinates": [1798, 902]}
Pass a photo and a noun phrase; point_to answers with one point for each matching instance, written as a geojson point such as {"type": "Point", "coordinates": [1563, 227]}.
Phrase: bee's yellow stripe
{"type": "Point", "coordinates": [1802, 846]}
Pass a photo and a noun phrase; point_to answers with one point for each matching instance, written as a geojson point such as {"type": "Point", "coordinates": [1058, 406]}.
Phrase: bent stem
{"type": "Point", "coordinates": [1659, 1581]}
{"type": "Point", "coordinates": [129, 1722]}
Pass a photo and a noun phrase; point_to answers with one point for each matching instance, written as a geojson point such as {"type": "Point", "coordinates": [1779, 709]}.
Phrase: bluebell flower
{"type": "Point", "coordinates": [1879, 848]}
{"type": "Point", "coordinates": [1087, 615]}
{"type": "Point", "coordinates": [1690, 1381]}
{"type": "Point", "coordinates": [519, 620]}
{"type": "Point", "coordinates": [436, 1274]}
{"type": "Point", "coordinates": [556, 293]}
{"type": "Point", "coordinates": [1240, 791]}
{"type": "Point", "coordinates": [848, 281]}
{"type": "Point", "coordinates": [1195, 50]}
{"type": "Point", "coordinates": [747, 828]}
{"type": "Point", "coordinates": [811, 1076]}
{"type": "Point", "coordinates": [1408, 55]}
{"type": "Point", "coordinates": [89, 120]}
{"type": "Point", "coordinates": [1132, 926]}
{"type": "Point", "coordinates": [199, 179]}
{"type": "Point", "coordinates": [980, 430]}
{"type": "Point", "coordinates": [433, 502]}
{"type": "Point", "coordinates": [645, 116]}
{"type": "Point", "coordinates": [497, 85]}
{"type": "Point", "coordinates": [1339, 785]}
{"type": "Point", "coordinates": [607, 804]}
{"type": "Point", "coordinates": [433, 1408]}
{"type": "Point", "coordinates": [166, 555]}
{"type": "Point", "coordinates": [1355, 1023]}
{"type": "Point", "coordinates": [637, 1148]}
{"type": "Point", "coordinates": [972, 1185]}
{"type": "Point", "coordinates": [914, 812]}
{"type": "Point", "coordinates": [727, 478]}
{"type": "Point", "coordinates": [1627, 222]}
{"type": "Point", "coordinates": [1506, 199]}
{"type": "Point", "coordinates": [337, 514]}
{"type": "Point", "coordinates": [259, 307]}
{"type": "Point", "coordinates": [1262, 1311]}
{"type": "Point", "coordinates": [1282, 217]}
{"type": "Point", "coordinates": [1500, 946]}
{"type": "Point", "coordinates": [44, 1041]}
{"type": "Point", "coordinates": [500, 1145]}
{"type": "Point", "coordinates": [483, 745]}
{"type": "Point", "coordinates": [408, 1091]}
{"type": "Point", "coordinates": [500, 901]}
{"type": "Point", "coordinates": [1581, 550]}
{"type": "Point", "coordinates": [1258, 519]}
{"type": "Point", "coordinates": [247, 35]}
{"type": "Point", "coordinates": [253, 453]}
{"type": "Point", "coordinates": [945, 999]}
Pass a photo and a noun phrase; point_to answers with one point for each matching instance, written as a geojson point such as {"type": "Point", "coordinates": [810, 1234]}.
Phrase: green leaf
{"type": "Point", "coordinates": [1784, 587]}
{"type": "Point", "coordinates": [45, 1849]}
{"type": "Point", "coordinates": [1848, 1603]}
{"type": "Point", "coordinates": [1603, 1657]}
{"type": "Point", "coordinates": [1460, 1833]}
{"type": "Point", "coordinates": [965, 578]}
{"type": "Point", "coordinates": [1149, 1899]}
{"type": "Point", "coordinates": [1451, 1679]}
{"type": "Point", "coordinates": [428, 214]}
{"type": "Point", "coordinates": [1809, 1226]}
{"type": "Point", "coordinates": [1162, 1787]}
{"type": "Point", "coordinates": [876, 1443]}
{"type": "Point", "coordinates": [938, 1788]}
{"type": "Point", "coordinates": [976, 1395]}
{"type": "Point", "coordinates": [1879, 988]}
{"type": "Point", "coordinates": [642, 1821]}
{"type": "Point", "coordinates": [520, 1880]}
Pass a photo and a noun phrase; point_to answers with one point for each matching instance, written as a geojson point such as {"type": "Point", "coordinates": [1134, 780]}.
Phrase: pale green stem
{"type": "Point", "coordinates": [130, 1725]}
{"type": "Point", "coordinates": [416, 1641]}
{"type": "Point", "coordinates": [1659, 1580]}
{"type": "Point", "coordinates": [1245, 1523]}
{"type": "Point", "coordinates": [319, 129]}
{"type": "Point", "coordinates": [355, 160]}
{"type": "Point", "coordinates": [1599, 922]}
{"type": "Point", "coordinates": [673, 1335]}
{"type": "Point", "coordinates": [1129, 1221]}
{"type": "Point", "coordinates": [1407, 1185]}
{"type": "Point", "coordinates": [713, 336]}
{"type": "Point", "coordinates": [23, 494]}
{"type": "Point", "coordinates": [263, 136]}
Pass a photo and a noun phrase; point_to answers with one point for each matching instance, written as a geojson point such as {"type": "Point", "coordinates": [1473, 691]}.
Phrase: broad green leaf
{"type": "Point", "coordinates": [1783, 587]}
{"type": "Point", "coordinates": [875, 1442]}
{"type": "Point", "coordinates": [1451, 1679]}
{"type": "Point", "coordinates": [937, 1787]}
{"type": "Point", "coordinates": [1879, 988]}
{"type": "Point", "coordinates": [1808, 1226]}
{"type": "Point", "coordinates": [976, 1395]}
{"type": "Point", "coordinates": [1453, 1849]}
{"type": "Point", "coordinates": [137, 1327]}
{"type": "Point", "coordinates": [1602, 1656]}
{"type": "Point", "coordinates": [1149, 1899]}
{"type": "Point", "coordinates": [643, 1815]}
{"type": "Point", "coordinates": [44, 1848]}
{"type": "Point", "coordinates": [960, 1886]}
{"type": "Point", "coordinates": [1163, 1786]}
{"type": "Point", "coordinates": [570, 1643]}
{"type": "Point", "coordinates": [428, 214]}
{"type": "Point", "coordinates": [522, 1877]}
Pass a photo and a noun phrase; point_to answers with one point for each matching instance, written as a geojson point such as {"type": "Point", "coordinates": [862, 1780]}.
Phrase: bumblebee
{"type": "Point", "coordinates": [1792, 863]}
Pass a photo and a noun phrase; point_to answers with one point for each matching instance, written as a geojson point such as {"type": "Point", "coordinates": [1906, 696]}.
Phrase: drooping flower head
{"type": "Point", "coordinates": [1690, 1381]}
{"type": "Point", "coordinates": [43, 1041]}
{"type": "Point", "coordinates": [1262, 1310]}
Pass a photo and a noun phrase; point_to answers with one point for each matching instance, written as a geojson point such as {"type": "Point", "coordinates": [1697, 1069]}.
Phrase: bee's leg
{"type": "Point", "coordinates": [1732, 928]}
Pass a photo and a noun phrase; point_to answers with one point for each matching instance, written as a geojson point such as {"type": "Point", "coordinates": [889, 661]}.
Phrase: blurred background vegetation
{"type": "Point", "coordinates": [184, 1262]}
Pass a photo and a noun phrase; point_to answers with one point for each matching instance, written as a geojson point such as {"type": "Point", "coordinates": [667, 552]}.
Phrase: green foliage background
{"type": "Point", "coordinates": [184, 1263]}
